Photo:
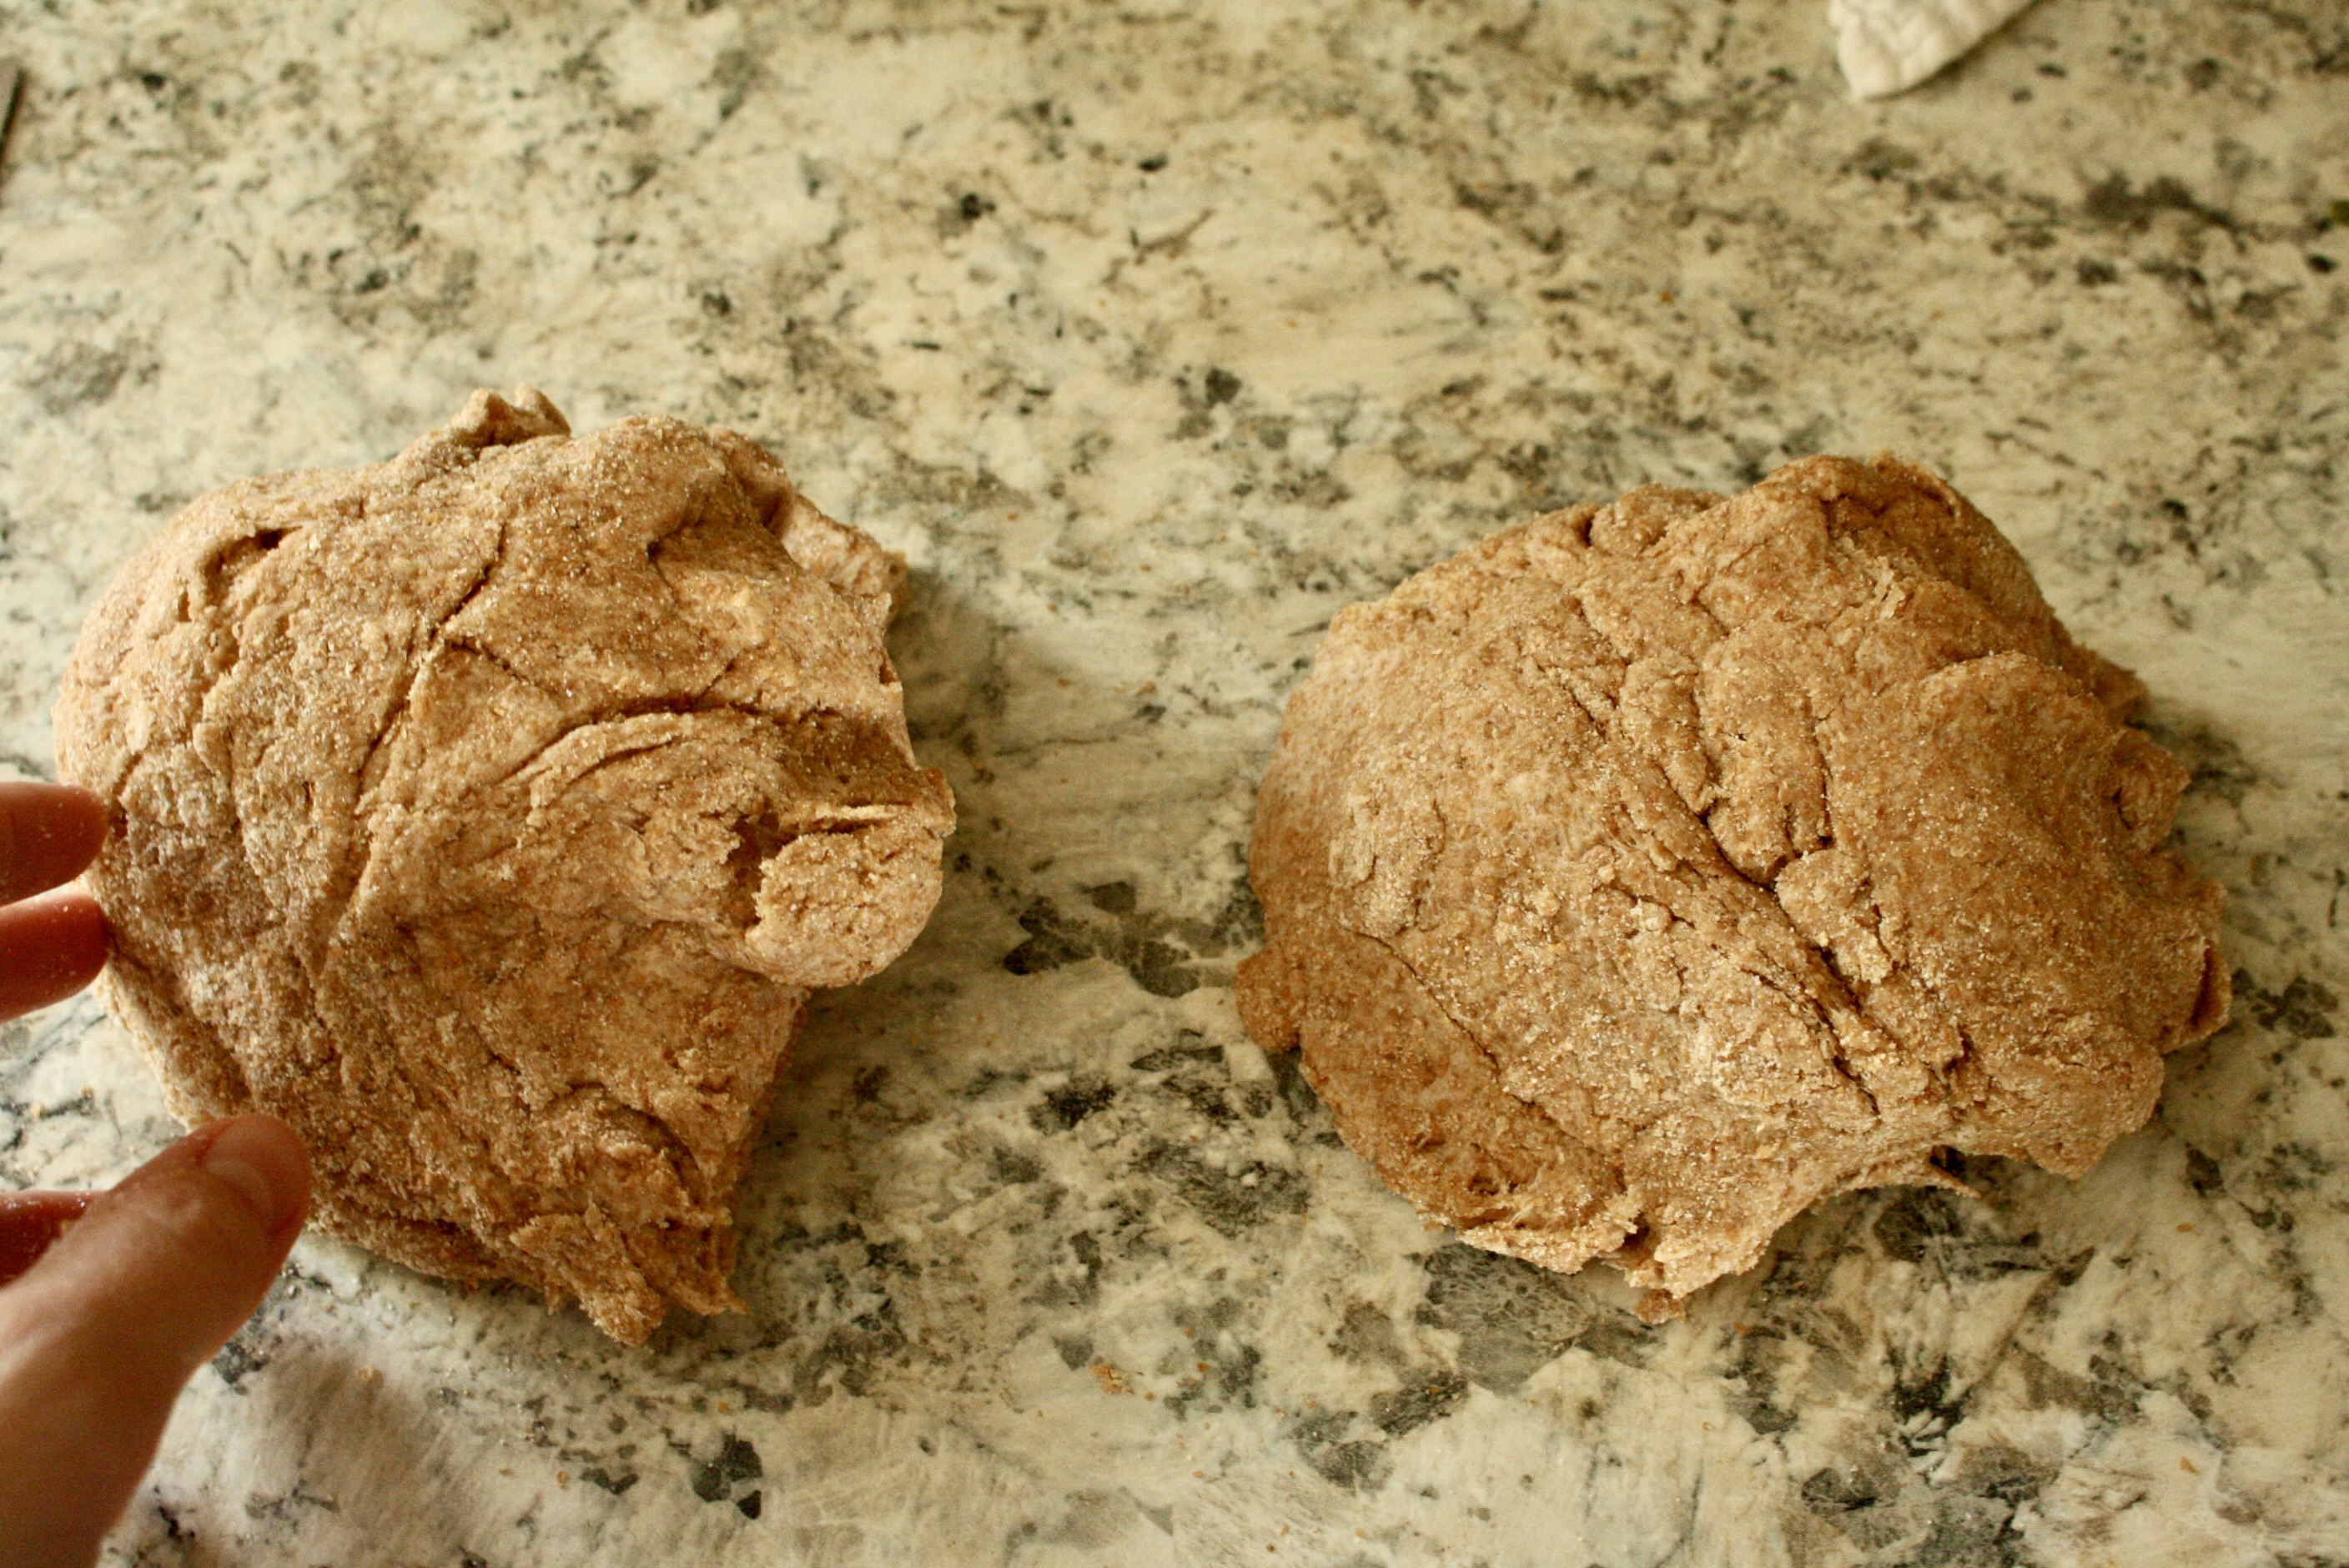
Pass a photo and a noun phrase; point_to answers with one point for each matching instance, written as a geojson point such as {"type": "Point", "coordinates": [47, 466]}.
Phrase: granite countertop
{"type": "Point", "coordinates": [1154, 332]}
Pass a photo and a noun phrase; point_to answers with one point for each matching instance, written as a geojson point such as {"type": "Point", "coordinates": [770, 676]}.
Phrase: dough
{"type": "Point", "coordinates": [489, 814]}
{"type": "Point", "coordinates": [1651, 872]}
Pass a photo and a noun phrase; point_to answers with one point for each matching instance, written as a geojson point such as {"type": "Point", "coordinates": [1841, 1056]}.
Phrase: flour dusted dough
{"type": "Point", "coordinates": [1651, 872]}
{"type": "Point", "coordinates": [489, 814]}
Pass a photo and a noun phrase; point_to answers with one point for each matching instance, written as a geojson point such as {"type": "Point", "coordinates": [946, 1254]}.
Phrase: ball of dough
{"type": "Point", "coordinates": [489, 814]}
{"type": "Point", "coordinates": [1649, 872]}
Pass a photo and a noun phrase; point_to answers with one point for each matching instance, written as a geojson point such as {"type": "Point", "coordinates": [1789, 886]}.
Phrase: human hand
{"type": "Point", "coordinates": [99, 1330]}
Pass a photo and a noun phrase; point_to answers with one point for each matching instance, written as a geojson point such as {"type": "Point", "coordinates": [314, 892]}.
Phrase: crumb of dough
{"type": "Point", "coordinates": [489, 815]}
{"type": "Point", "coordinates": [1648, 873]}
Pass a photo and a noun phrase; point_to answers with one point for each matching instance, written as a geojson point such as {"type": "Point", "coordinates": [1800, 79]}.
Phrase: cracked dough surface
{"type": "Point", "coordinates": [1648, 871]}
{"type": "Point", "coordinates": [489, 814]}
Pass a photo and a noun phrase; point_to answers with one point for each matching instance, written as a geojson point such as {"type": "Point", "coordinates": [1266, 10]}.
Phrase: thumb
{"type": "Point", "coordinates": [97, 1339]}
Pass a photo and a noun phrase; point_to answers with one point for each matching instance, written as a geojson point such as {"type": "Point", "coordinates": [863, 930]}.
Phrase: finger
{"type": "Point", "coordinates": [30, 1222]}
{"type": "Point", "coordinates": [47, 834]}
{"type": "Point", "coordinates": [50, 947]}
{"type": "Point", "coordinates": [97, 1339]}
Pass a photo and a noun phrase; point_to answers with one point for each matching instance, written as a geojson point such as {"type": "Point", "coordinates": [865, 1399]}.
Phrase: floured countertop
{"type": "Point", "coordinates": [1155, 333]}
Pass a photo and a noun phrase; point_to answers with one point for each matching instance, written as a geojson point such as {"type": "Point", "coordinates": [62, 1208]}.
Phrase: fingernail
{"type": "Point", "coordinates": [264, 1162]}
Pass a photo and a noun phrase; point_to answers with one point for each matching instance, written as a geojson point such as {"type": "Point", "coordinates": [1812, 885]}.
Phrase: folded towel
{"type": "Point", "coordinates": [1889, 46]}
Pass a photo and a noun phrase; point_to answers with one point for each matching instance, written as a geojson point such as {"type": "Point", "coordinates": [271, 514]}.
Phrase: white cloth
{"type": "Point", "coordinates": [1889, 46]}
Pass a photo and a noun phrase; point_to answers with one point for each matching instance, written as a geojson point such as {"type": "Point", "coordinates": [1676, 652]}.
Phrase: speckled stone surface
{"type": "Point", "coordinates": [1154, 332]}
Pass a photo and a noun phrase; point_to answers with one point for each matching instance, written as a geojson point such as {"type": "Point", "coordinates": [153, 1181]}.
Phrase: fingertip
{"type": "Point", "coordinates": [77, 821]}
{"type": "Point", "coordinates": [53, 831]}
{"type": "Point", "coordinates": [101, 1332]}
{"type": "Point", "coordinates": [259, 1156]}
{"type": "Point", "coordinates": [77, 926]}
{"type": "Point", "coordinates": [50, 947]}
{"type": "Point", "coordinates": [161, 1270]}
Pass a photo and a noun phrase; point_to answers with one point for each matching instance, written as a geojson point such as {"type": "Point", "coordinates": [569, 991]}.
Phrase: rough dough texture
{"type": "Point", "coordinates": [489, 814]}
{"type": "Point", "coordinates": [1649, 872]}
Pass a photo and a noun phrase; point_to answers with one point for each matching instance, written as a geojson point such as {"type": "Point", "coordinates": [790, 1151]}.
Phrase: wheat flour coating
{"type": "Point", "coordinates": [1649, 872]}
{"type": "Point", "coordinates": [489, 814]}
